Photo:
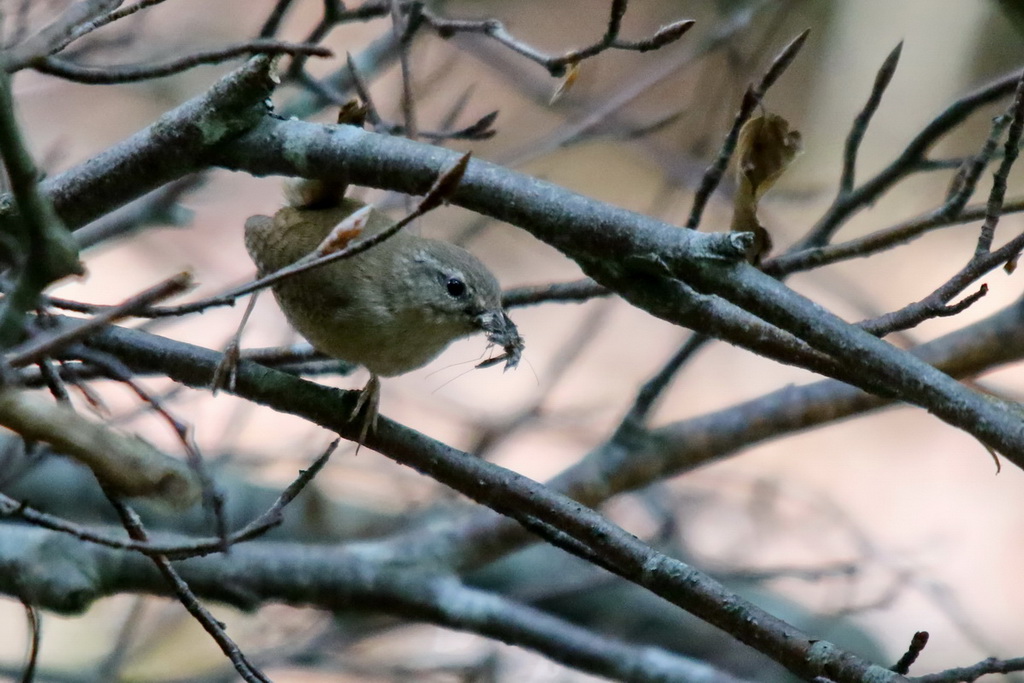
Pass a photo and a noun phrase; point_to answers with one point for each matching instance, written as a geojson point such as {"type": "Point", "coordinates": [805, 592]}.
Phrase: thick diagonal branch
{"type": "Point", "coordinates": [653, 265]}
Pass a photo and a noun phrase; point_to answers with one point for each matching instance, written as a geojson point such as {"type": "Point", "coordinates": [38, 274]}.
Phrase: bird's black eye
{"type": "Point", "coordinates": [455, 286]}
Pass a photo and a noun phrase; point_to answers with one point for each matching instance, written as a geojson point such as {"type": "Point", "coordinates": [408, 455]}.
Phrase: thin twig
{"type": "Point", "coordinates": [224, 377]}
{"type": "Point", "coordinates": [54, 382]}
{"type": "Point", "coordinates": [908, 160]}
{"type": "Point", "coordinates": [814, 257]}
{"type": "Point", "coordinates": [108, 18]}
{"type": "Point", "coordinates": [359, 85]}
{"type": "Point", "coordinates": [557, 65]}
{"type": "Point", "coordinates": [968, 674]}
{"type": "Point", "coordinates": [917, 645]}
{"type": "Point", "coordinates": [133, 525]}
{"type": "Point", "coordinates": [575, 291]}
{"type": "Point", "coordinates": [332, 16]}
{"type": "Point", "coordinates": [106, 75]}
{"type": "Point", "coordinates": [649, 393]}
{"type": "Point", "coordinates": [335, 87]}
{"type": "Point", "coordinates": [480, 130]}
{"type": "Point", "coordinates": [54, 36]}
{"type": "Point", "coordinates": [35, 349]}
{"type": "Point", "coordinates": [28, 674]}
{"type": "Point", "coordinates": [457, 108]}
{"type": "Point", "coordinates": [936, 304]}
{"type": "Point", "coordinates": [999, 179]}
{"type": "Point", "coordinates": [863, 120]}
{"type": "Point", "coordinates": [613, 103]}
{"type": "Point", "coordinates": [984, 259]}
{"type": "Point", "coordinates": [969, 170]}
{"type": "Point", "coordinates": [402, 30]}
{"type": "Point", "coordinates": [270, 519]}
{"type": "Point", "coordinates": [273, 22]}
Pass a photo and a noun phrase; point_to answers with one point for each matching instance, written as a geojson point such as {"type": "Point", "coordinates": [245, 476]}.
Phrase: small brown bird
{"type": "Point", "coordinates": [392, 308]}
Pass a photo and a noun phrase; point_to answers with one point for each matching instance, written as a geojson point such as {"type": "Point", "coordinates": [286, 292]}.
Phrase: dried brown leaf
{"type": "Point", "coordinates": [353, 113]}
{"type": "Point", "coordinates": [344, 232]}
{"type": "Point", "coordinates": [765, 149]}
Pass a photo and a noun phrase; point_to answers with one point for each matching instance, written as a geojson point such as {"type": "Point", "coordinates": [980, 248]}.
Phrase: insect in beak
{"type": "Point", "coordinates": [503, 332]}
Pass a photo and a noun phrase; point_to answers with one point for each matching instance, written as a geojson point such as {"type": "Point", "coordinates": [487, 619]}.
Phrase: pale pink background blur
{"type": "Point", "coordinates": [914, 501]}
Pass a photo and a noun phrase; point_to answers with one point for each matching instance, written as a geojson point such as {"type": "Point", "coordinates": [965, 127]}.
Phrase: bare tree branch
{"type": "Point", "coordinates": [907, 160]}
{"type": "Point", "coordinates": [56, 35]}
{"type": "Point", "coordinates": [100, 75]}
{"type": "Point", "coordinates": [556, 65]}
{"type": "Point", "coordinates": [860, 124]}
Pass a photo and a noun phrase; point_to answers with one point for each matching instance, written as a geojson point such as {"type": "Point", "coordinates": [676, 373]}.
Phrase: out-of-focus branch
{"type": "Point", "coordinates": [274, 19]}
{"type": "Point", "coordinates": [375, 58]}
{"type": "Point", "coordinates": [557, 65]}
{"type": "Point", "coordinates": [607, 112]}
{"type": "Point", "coordinates": [157, 208]}
{"type": "Point", "coordinates": [68, 491]}
{"type": "Point", "coordinates": [99, 75]}
{"type": "Point", "coordinates": [39, 246]}
{"type": "Point", "coordinates": [55, 35]}
{"type": "Point", "coordinates": [120, 13]}
{"type": "Point", "coordinates": [59, 573]}
{"type": "Point", "coordinates": [578, 290]}
{"type": "Point", "coordinates": [126, 464]}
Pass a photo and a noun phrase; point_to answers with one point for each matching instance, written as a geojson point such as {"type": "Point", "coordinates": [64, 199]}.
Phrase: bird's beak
{"type": "Point", "coordinates": [500, 330]}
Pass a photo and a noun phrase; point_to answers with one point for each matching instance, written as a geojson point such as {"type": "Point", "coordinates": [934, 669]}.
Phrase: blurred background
{"type": "Point", "coordinates": [862, 532]}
